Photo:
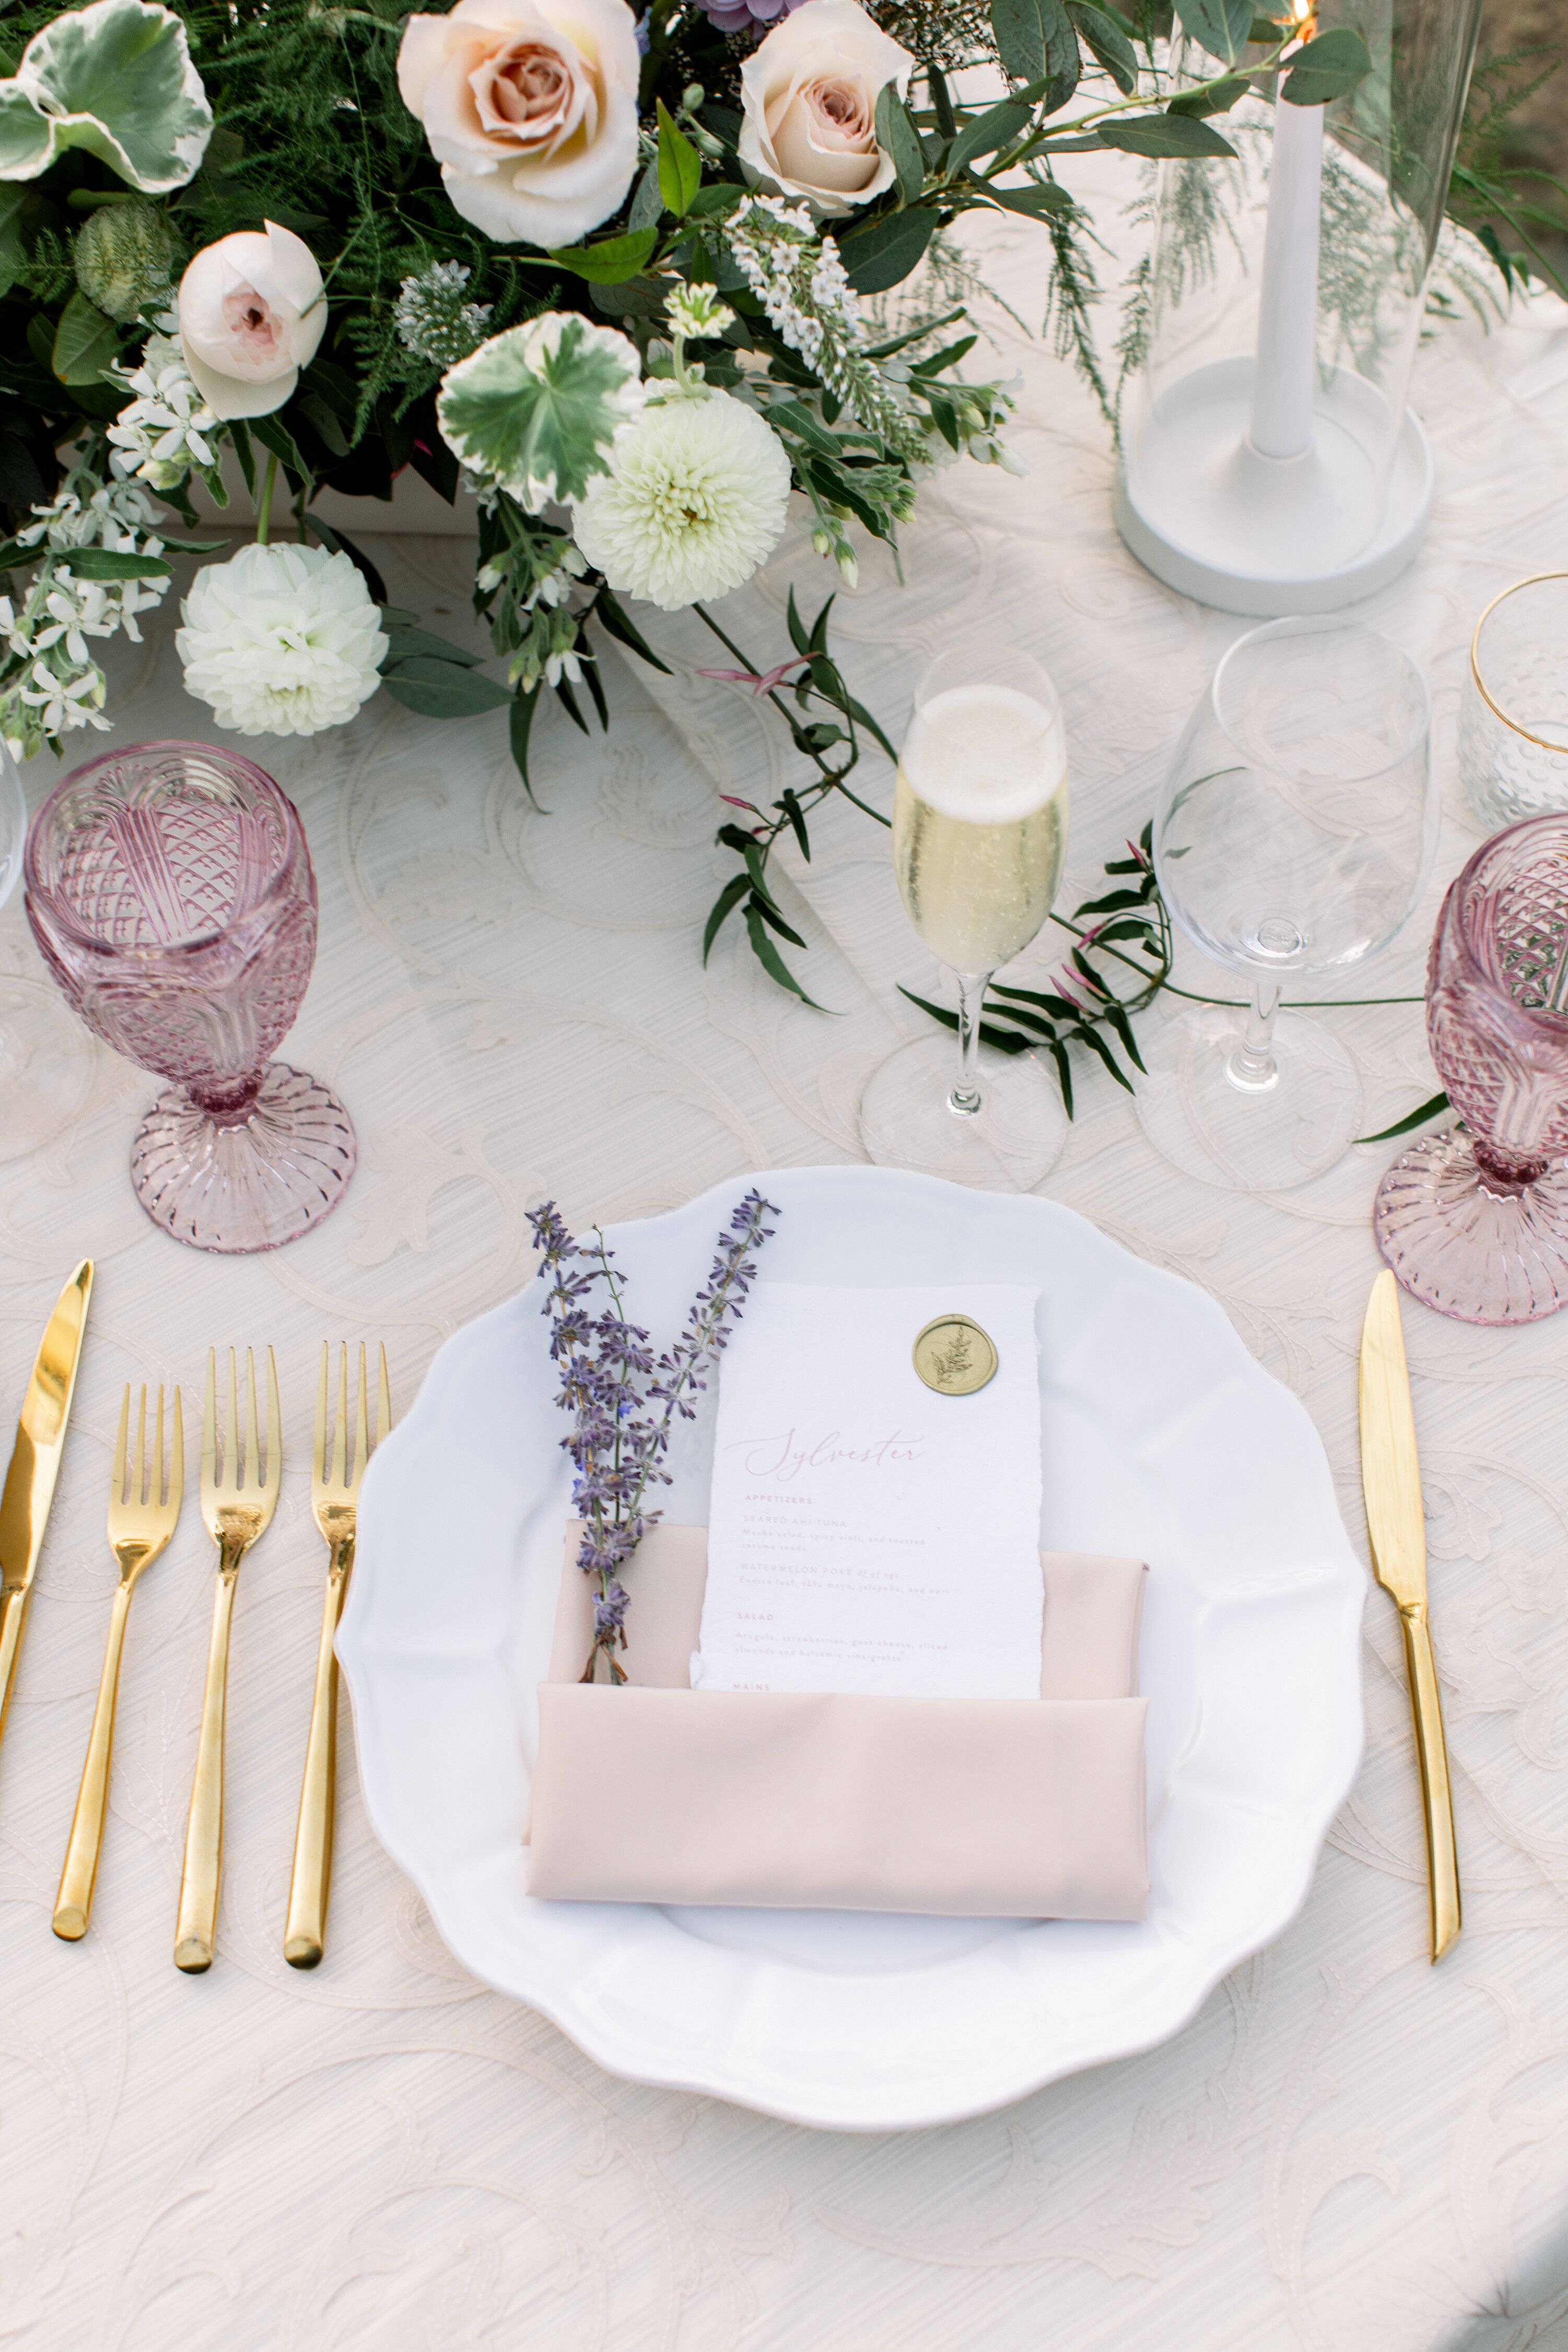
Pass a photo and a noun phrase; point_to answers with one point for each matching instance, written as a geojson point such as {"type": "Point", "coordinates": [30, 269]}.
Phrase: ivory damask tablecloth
{"type": "Point", "coordinates": [1345, 2149]}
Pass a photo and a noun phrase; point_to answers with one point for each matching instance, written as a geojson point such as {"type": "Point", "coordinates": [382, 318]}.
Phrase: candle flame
{"type": "Point", "coordinates": [1304, 19]}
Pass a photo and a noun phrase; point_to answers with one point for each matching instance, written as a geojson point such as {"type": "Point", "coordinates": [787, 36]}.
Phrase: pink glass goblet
{"type": "Point", "coordinates": [170, 890]}
{"type": "Point", "coordinates": [1474, 1221]}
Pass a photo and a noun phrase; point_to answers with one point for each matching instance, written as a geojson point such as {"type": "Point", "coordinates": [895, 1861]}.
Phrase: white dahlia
{"type": "Point", "coordinates": [694, 502]}
{"type": "Point", "coordinates": [280, 640]}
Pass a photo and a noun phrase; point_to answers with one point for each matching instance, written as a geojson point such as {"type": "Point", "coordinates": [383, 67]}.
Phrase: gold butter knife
{"type": "Point", "coordinates": [35, 1465]}
{"type": "Point", "coordinates": [1396, 1524]}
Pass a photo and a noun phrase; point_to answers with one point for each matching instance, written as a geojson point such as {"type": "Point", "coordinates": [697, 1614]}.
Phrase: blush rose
{"type": "Point", "coordinates": [809, 93]}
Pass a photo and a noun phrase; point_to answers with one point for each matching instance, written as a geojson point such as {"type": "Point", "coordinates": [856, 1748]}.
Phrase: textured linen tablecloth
{"type": "Point", "coordinates": [1345, 2149]}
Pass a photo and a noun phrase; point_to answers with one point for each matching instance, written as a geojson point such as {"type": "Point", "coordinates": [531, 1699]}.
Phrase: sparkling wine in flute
{"type": "Point", "coordinates": [980, 822]}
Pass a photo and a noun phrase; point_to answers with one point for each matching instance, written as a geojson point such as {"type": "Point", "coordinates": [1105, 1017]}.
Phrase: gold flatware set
{"type": "Point", "coordinates": [241, 1478]}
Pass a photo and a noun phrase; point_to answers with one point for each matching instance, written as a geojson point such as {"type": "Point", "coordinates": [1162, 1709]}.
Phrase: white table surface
{"type": "Point", "coordinates": [1344, 2149]}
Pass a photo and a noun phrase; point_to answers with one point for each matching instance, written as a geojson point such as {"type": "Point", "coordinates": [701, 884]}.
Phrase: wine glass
{"type": "Point", "coordinates": [1474, 1220]}
{"type": "Point", "coordinates": [980, 825]}
{"type": "Point", "coordinates": [12, 823]}
{"type": "Point", "coordinates": [171, 892]}
{"type": "Point", "coordinates": [1292, 837]}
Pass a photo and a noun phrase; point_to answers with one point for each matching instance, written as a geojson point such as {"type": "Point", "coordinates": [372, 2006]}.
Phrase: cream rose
{"type": "Point", "coordinates": [810, 92]}
{"type": "Point", "coordinates": [252, 311]}
{"type": "Point", "coordinates": [530, 108]}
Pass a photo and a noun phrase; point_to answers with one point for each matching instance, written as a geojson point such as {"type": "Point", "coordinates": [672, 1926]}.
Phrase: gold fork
{"type": "Point", "coordinates": [334, 1499]}
{"type": "Point", "coordinates": [238, 1504]}
{"type": "Point", "coordinates": [141, 1522]}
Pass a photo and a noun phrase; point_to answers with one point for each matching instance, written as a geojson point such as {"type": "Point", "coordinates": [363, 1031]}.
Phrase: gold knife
{"type": "Point", "coordinates": [35, 1465]}
{"type": "Point", "coordinates": [1396, 1524]}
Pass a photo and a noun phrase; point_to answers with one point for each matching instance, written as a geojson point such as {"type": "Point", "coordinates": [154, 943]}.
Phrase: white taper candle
{"type": "Point", "coordinates": [1288, 310]}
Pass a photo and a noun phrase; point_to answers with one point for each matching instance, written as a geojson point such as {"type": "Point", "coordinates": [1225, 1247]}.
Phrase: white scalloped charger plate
{"type": "Point", "coordinates": [1163, 1438]}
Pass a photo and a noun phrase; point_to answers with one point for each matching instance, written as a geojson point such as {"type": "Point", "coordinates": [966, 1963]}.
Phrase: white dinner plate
{"type": "Point", "coordinates": [1162, 1437]}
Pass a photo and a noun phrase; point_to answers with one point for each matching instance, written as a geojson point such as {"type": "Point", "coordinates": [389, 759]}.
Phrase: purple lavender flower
{"type": "Point", "coordinates": [623, 1401]}
{"type": "Point", "coordinates": [746, 15]}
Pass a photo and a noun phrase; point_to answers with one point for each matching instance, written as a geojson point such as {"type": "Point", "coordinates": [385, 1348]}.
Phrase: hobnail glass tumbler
{"type": "Point", "coordinates": [1513, 717]}
{"type": "Point", "coordinates": [1474, 1221]}
{"type": "Point", "coordinates": [170, 890]}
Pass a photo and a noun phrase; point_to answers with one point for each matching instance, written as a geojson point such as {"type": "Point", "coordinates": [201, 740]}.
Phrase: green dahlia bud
{"type": "Point", "coordinates": [122, 256]}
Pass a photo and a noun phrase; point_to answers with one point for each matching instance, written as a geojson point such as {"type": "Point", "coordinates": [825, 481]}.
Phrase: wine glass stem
{"type": "Point", "coordinates": [965, 1100]}
{"type": "Point", "coordinates": [1251, 1066]}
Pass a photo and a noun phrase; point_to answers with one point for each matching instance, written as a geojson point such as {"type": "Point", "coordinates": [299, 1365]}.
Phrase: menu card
{"type": "Point", "coordinates": [866, 1532]}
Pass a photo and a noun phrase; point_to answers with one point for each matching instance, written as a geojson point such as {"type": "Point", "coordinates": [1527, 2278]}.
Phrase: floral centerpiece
{"type": "Point", "coordinates": [620, 279]}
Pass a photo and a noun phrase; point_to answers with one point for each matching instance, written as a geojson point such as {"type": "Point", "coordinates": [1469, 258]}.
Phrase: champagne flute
{"type": "Point", "coordinates": [980, 824]}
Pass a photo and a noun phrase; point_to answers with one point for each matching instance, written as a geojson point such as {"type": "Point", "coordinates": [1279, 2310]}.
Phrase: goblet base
{"type": "Point", "coordinates": [1006, 1146]}
{"type": "Point", "coordinates": [1245, 1137]}
{"type": "Point", "coordinates": [1478, 1254]}
{"type": "Point", "coordinates": [249, 1187]}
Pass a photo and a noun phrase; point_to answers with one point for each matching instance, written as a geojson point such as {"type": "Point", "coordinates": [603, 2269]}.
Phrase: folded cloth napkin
{"type": "Point", "coordinates": [653, 1792]}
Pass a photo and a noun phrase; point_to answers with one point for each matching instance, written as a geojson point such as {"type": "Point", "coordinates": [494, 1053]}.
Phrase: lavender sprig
{"type": "Point", "coordinates": [623, 1402]}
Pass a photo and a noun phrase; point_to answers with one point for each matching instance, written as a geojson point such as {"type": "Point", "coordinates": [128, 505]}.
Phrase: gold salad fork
{"type": "Point", "coordinates": [238, 1503]}
{"type": "Point", "coordinates": [334, 1499]}
{"type": "Point", "coordinates": [141, 1519]}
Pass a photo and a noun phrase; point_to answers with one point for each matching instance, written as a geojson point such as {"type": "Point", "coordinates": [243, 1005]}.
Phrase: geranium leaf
{"type": "Point", "coordinates": [536, 408]}
{"type": "Point", "coordinates": [116, 78]}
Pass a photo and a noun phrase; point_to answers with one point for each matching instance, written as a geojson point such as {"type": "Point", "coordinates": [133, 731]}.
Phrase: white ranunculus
{"type": "Point", "coordinates": [809, 93]}
{"type": "Point", "coordinates": [694, 502]}
{"type": "Point", "coordinates": [252, 311]}
{"type": "Point", "coordinates": [530, 108]}
{"type": "Point", "coordinates": [281, 640]}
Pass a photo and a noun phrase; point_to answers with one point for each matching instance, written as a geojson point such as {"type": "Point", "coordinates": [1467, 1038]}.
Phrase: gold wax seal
{"type": "Point", "coordinates": [955, 1356]}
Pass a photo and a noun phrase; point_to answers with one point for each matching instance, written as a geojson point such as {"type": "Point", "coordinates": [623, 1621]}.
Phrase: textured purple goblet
{"type": "Point", "coordinates": [171, 892]}
{"type": "Point", "coordinates": [1474, 1221]}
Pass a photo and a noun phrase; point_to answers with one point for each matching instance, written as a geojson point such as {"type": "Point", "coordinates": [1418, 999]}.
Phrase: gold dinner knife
{"type": "Point", "coordinates": [1396, 1524]}
{"type": "Point", "coordinates": [35, 1465]}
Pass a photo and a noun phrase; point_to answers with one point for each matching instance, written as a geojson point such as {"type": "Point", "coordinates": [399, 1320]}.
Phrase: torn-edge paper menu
{"type": "Point", "coordinates": [866, 1533]}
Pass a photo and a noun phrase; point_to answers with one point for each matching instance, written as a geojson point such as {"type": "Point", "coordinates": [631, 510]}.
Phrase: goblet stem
{"type": "Point", "coordinates": [230, 1104]}
{"type": "Point", "coordinates": [1251, 1066]}
{"type": "Point", "coordinates": [965, 1101]}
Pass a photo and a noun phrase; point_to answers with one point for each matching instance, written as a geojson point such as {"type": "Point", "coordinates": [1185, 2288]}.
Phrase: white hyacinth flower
{"type": "Point", "coordinates": [281, 640]}
{"type": "Point", "coordinates": [694, 502]}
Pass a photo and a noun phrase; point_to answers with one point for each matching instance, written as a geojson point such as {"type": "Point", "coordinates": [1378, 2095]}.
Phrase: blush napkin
{"type": "Point", "coordinates": [1028, 1807]}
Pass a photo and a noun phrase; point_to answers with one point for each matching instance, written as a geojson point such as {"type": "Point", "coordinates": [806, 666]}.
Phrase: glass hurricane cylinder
{"type": "Point", "coordinates": [1474, 1221]}
{"type": "Point", "coordinates": [1270, 463]}
{"type": "Point", "coordinates": [171, 892]}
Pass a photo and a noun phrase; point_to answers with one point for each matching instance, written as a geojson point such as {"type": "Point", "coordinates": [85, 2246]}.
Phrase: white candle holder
{"type": "Point", "coordinates": [1270, 464]}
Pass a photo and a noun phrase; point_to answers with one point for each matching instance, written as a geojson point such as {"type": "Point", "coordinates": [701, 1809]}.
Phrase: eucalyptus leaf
{"type": "Point", "coordinates": [1107, 43]}
{"type": "Point", "coordinates": [1035, 199]}
{"type": "Point", "coordinates": [1036, 42]}
{"type": "Point", "coordinates": [898, 138]}
{"type": "Point", "coordinates": [442, 689]}
{"type": "Point", "coordinates": [1326, 68]}
{"type": "Point", "coordinates": [1163, 135]}
{"type": "Point", "coordinates": [1222, 27]}
{"type": "Point", "coordinates": [883, 253]}
{"type": "Point", "coordinates": [983, 134]}
{"type": "Point", "coordinates": [1216, 98]}
{"type": "Point", "coordinates": [107, 564]}
{"type": "Point", "coordinates": [115, 79]}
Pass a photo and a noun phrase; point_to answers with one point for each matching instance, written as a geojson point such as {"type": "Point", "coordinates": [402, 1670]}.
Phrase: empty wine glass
{"type": "Point", "coordinates": [980, 822]}
{"type": "Point", "coordinates": [171, 892]}
{"type": "Point", "coordinates": [1474, 1220]}
{"type": "Point", "coordinates": [1292, 837]}
{"type": "Point", "coordinates": [12, 823]}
